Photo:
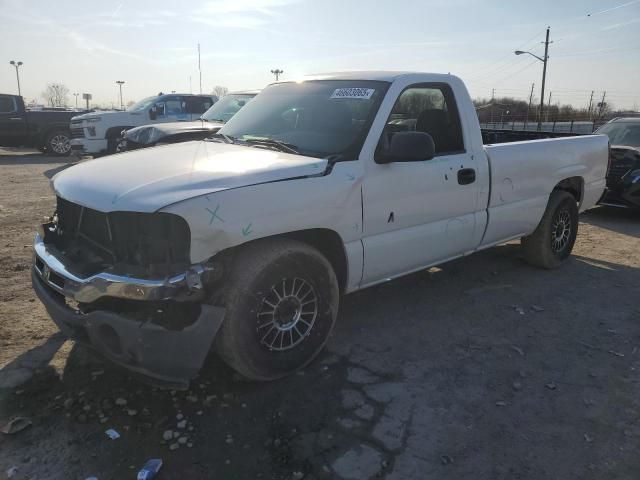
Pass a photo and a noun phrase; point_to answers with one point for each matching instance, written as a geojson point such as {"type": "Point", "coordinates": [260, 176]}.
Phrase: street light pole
{"type": "Point", "coordinates": [17, 66]}
{"type": "Point", "coordinates": [76, 95]}
{"type": "Point", "coordinates": [120, 83]}
{"type": "Point", "coordinates": [277, 72]}
{"type": "Point", "coordinates": [544, 74]}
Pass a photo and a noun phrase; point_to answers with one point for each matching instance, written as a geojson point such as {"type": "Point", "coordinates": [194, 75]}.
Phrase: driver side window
{"type": "Point", "coordinates": [428, 108]}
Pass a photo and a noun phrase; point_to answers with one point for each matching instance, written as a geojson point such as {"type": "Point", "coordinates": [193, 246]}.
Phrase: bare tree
{"type": "Point", "coordinates": [56, 95]}
{"type": "Point", "coordinates": [220, 91]}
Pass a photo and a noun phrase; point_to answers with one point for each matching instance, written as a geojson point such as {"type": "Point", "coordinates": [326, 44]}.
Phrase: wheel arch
{"type": "Point", "coordinates": [328, 242]}
{"type": "Point", "coordinates": [572, 185]}
{"type": "Point", "coordinates": [43, 136]}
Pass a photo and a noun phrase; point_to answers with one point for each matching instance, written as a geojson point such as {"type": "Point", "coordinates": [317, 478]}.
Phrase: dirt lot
{"type": "Point", "coordinates": [485, 368]}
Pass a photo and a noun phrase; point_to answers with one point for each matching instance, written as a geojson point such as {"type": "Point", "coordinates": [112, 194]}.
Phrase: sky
{"type": "Point", "coordinates": [152, 45]}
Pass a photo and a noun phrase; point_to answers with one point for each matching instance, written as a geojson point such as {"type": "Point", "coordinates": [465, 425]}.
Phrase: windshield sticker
{"type": "Point", "coordinates": [364, 93]}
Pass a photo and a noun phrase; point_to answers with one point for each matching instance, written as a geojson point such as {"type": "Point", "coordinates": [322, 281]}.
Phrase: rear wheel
{"type": "Point", "coordinates": [57, 143]}
{"type": "Point", "coordinates": [550, 245]}
{"type": "Point", "coordinates": [281, 302]}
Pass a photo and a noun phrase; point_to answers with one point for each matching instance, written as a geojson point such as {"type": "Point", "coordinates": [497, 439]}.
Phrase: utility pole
{"type": "Point", "coordinates": [17, 65]}
{"type": "Point", "coordinates": [120, 83]}
{"type": "Point", "coordinates": [199, 69]}
{"type": "Point", "coordinates": [544, 77]}
{"type": "Point", "coordinates": [277, 72]}
{"type": "Point", "coordinates": [604, 94]}
{"type": "Point", "coordinates": [529, 106]}
{"type": "Point", "coordinates": [493, 95]}
{"type": "Point", "coordinates": [544, 73]}
{"type": "Point", "coordinates": [190, 87]}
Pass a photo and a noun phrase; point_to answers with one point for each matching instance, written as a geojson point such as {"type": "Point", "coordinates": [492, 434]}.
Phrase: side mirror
{"type": "Point", "coordinates": [408, 147]}
{"type": "Point", "coordinates": [153, 112]}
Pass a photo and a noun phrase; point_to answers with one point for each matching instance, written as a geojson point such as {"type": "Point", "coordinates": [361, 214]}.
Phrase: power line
{"type": "Point", "coordinates": [500, 63]}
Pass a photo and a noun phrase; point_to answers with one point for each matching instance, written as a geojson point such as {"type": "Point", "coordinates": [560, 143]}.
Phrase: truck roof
{"type": "Point", "coordinates": [625, 120]}
{"type": "Point", "coordinates": [380, 75]}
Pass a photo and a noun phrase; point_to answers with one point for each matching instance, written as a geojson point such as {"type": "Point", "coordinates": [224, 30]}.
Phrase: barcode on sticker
{"type": "Point", "coordinates": [364, 93]}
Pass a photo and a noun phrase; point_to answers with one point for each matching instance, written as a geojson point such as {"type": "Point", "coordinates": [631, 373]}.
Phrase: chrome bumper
{"type": "Point", "coordinates": [172, 356]}
{"type": "Point", "coordinates": [88, 289]}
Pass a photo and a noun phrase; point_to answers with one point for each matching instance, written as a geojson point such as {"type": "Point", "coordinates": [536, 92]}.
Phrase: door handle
{"type": "Point", "coordinates": [15, 118]}
{"type": "Point", "coordinates": [466, 176]}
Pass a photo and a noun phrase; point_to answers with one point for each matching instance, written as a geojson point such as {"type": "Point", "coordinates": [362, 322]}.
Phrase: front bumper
{"type": "Point", "coordinates": [172, 356]}
{"type": "Point", "coordinates": [89, 289]}
{"type": "Point", "coordinates": [88, 146]}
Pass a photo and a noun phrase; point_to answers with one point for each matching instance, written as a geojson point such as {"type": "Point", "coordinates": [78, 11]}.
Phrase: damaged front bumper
{"type": "Point", "coordinates": [172, 356]}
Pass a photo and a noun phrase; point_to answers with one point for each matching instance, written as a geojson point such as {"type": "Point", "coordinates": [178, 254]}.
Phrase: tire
{"type": "Point", "coordinates": [550, 245]}
{"type": "Point", "coordinates": [121, 145]}
{"type": "Point", "coordinates": [298, 286]}
{"type": "Point", "coordinates": [112, 145]}
{"type": "Point", "coordinates": [57, 143]}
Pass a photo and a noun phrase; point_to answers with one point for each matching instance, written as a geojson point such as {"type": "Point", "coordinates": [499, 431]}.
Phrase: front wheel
{"type": "Point", "coordinates": [57, 144]}
{"type": "Point", "coordinates": [550, 245]}
{"type": "Point", "coordinates": [281, 300]}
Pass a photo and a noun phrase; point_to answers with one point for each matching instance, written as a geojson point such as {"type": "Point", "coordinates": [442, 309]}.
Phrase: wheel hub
{"type": "Point", "coordinates": [60, 144]}
{"type": "Point", "coordinates": [287, 314]}
{"type": "Point", "coordinates": [560, 231]}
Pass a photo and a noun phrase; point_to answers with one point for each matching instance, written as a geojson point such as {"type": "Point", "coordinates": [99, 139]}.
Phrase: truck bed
{"type": "Point", "coordinates": [523, 174]}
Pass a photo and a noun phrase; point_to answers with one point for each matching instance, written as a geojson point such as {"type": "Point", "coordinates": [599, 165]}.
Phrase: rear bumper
{"type": "Point", "coordinates": [629, 198]}
{"type": "Point", "coordinates": [170, 356]}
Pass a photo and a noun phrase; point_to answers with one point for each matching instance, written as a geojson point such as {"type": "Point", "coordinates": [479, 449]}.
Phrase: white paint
{"type": "Point", "coordinates": [148, 179]}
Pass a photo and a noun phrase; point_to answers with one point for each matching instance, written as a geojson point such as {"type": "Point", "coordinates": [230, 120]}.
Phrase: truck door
{"type": "Point", "coordinates": [13, 125]}
{"type": "Point", "coordinates": [196, 106]}
{"type": "Point", "coordinates": [172, 108]}
{"type": "Point", "coordinates": [420, 213]}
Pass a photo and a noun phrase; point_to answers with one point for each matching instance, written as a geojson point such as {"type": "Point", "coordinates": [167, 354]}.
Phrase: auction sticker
{"type": "Point", "coordinates": [364, 93]}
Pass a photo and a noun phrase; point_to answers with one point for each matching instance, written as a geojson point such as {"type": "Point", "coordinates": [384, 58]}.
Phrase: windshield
{"type": "Point", "coordinates": [319, 118]}
{"type": "Point", "coordinates": [143, 104]}
{"type": "Point", "coordinates": [227, 107]}
{"type": "Point", "coordinates": [622, 133]}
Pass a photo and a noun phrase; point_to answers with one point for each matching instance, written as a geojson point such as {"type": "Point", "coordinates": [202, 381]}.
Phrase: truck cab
{"type": "Point", "coordinates": [13, 125]}
{"type": "Point", "coordinates": [46, 129]}
{"type": "Point", "coordinates": [98, 132]}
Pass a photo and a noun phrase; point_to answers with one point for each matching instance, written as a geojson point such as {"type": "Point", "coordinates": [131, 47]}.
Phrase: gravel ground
{"type": "Point", "coordinates": [484, 368]}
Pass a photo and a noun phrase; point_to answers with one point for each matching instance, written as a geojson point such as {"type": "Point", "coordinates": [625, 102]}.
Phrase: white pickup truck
{"type": "Point", "coordinates": [317, 188]}
{"type": "Point", "coordinates": [97, 133]}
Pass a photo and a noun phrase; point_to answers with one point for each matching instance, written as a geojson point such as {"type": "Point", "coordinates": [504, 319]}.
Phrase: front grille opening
{"type": "Point", "coordinates": [56, 279]}
{"type": "Point", "coordinates": [39, 264]}
{"type": "Point", "coordinates": [151, 244]}
{"type": "Point", "coordinates": [77, 133]}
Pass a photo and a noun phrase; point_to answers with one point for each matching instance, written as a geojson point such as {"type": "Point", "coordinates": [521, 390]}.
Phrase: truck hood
{"type": "Point", "coordinates": [149, 179]}
{"type": "Point", "coordinates": [115, 117]}
{"type": "Point", "coordinates": [147, 134]}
